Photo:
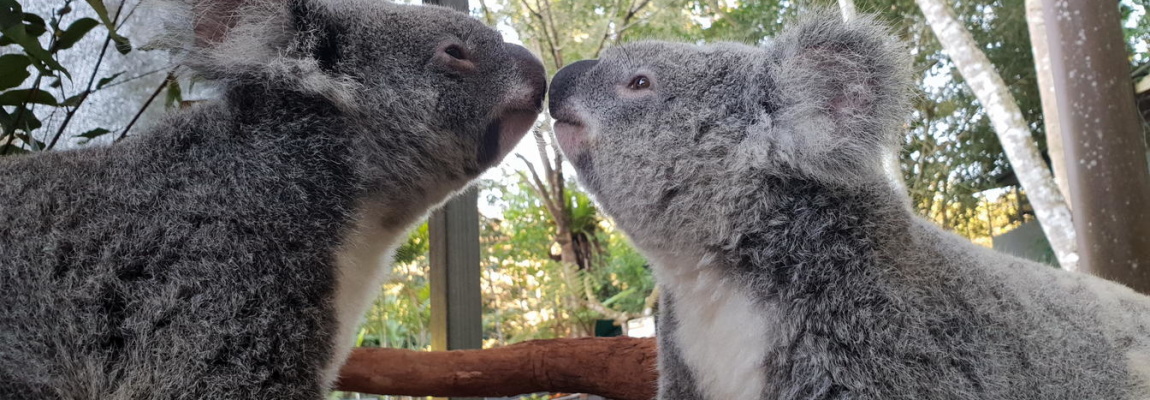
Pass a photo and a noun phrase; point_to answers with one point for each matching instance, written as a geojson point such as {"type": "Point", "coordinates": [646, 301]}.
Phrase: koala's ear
{"type": "Point", "coordinates": [317, 34]}
{"type": "Point", "coordinates": [839, 89]}
{"type": "Point", "coordinates": [288, 44]}
{"type": "Point", "coordinates": [854, 73]}
{"type": "Point", "coordinates": [213, 19]}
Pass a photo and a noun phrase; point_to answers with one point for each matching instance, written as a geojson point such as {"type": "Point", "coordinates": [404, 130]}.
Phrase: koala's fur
{"type": "Point", "coordinates": [229, 252]}
{"type": "Point", "coordinates": [791, 267]}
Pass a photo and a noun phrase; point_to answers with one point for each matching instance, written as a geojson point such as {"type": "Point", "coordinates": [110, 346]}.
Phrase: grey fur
{"type": "Point", "coordinates": [199, 260]}
{"type": "Point", "coordinates": [761, 167]}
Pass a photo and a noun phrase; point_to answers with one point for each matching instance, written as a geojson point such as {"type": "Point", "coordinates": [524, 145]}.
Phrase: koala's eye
{"type": "Point", "coordinates": [639, 83]}
{"type": "Point", "coordinates": [456, 52]}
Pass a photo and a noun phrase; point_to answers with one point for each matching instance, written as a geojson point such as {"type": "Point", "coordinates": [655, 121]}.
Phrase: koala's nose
{"type": "Point", "coordinates": [533, 75]}
{"type": "Point", "coordinates": [563, 84]}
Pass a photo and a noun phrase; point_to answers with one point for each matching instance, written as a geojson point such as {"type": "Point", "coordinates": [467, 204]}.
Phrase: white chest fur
{"type": "Point", "coordinates": [362, 262]}
{"type": "Point", "coordinates": [722, 332]}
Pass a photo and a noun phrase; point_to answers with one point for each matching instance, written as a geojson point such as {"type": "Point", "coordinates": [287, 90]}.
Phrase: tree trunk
{"type": "Point", "coordinates": [1105, 146]}
{"type": "Point", "coordinates": [1005, 116]}
{"type": "Point", "coordinates": [620, 368]}
{"type": "Point", "coordinates": [1036, 23]}
{"type": "Point", "coordinates": [848, 9]}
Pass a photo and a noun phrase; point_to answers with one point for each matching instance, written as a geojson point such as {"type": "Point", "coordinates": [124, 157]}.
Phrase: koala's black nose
{"type": "Point", "coordinates": [563, 84]}
{"type": "Point", "coordinates": [531, 71]}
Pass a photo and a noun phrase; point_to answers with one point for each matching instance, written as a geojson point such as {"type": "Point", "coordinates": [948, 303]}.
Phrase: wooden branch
{"type": "Point", "coordinates": [593, 303]}
{"type": "Point", "coordinates": [540, 188]}
{"type": "Point", "coordinates": [620, 368]}
{"type": "Point", "coordinates": [541, 146]}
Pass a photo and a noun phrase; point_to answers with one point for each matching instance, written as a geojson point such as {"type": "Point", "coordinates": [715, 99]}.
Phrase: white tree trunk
{"type": "Point", "coordinates": [1038, 42]}
{"type": "Point", "coordinates": [1007, 120]}
{"type": "Point", "coordinates": [848, 8]}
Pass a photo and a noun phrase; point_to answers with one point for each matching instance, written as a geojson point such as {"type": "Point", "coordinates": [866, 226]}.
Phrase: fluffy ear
{"type": "Point", "coordinates": [839, 89]}
{"type": "Point", "coordinates": [290, 44]}
{"type": "Point", "coordinates": [211, 20]}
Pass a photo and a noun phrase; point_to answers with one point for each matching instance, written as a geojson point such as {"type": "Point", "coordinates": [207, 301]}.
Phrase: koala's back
{"type": "Point", "coordinates": [156, 268]}
{"type": "Point", "coordinates": [1033, 331]}
{"type": "Point", "coordinates": [936, 317]}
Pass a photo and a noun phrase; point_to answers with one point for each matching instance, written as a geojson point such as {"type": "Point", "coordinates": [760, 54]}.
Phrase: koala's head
{"type": "Point", "coordinates": [670, 137]}
{"type": "Point", "coordinates": [425, 86]}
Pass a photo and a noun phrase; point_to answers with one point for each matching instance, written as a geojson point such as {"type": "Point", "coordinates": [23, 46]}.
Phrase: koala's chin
{"type": "Point", "coordinates": [790, 267]}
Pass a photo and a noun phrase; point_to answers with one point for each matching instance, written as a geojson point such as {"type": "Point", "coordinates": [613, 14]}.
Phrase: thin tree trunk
{"type": "Point", "coordinates": [1005, 116]}
{"type": "Point", "coordinates": [848, 8]}
{"type": "Point", "coordinates": [1036, 22]}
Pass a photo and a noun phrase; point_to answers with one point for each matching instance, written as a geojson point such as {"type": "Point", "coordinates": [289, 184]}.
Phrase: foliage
{"type": "Point", "coordinates": [1137, 30]}
{"type": "Point", "coordinates": [39, 40]}
{"type": "Point", "coordinates": [401, 314]}
{"type": "Point", "coordinates": [543, 297]}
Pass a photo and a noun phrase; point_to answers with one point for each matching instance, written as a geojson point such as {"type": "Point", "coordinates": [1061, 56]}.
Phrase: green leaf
{"type": "Point", "coordinates": [5, 122]}
{"type": "Point", "coordinates": [174, 95]}
{"type": "Point", "coordinates": [102, 12]}
{"type": "Point", "coordinates": [122, 44]}
{"type": "Point", "coordinates": [11, 14]}
{"type": "Point", "coordinates": [35, 25]}
{"type": "Point", "coordinates": [32, 47]}
{"type": "Point", "coordinates": [13, 70]}
{"type": "Point", "coordinates": [74, 33]}
{"type": "Point", "coordinates": [25, 120]}
{"type": "Point", "coordinates": [11, 149]}
{"type": "Point", "coordinates": [75, 101]}
{"type": "Point", "coordinates": [32, 142]}
{"type": "Point", "coordinates": [27, 96]}
{"type": "Point", "coordinates": [15, 31]}
{"type": "Point", "coordinates": [95, 133]}
{"type": "Point", "coordinates": [106, 80]}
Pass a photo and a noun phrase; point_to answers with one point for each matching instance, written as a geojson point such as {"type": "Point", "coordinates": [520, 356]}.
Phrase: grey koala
{"type": "Point", "coordinates": [792, 268]}
{"type": "Point", "coordinates": [229, 252]}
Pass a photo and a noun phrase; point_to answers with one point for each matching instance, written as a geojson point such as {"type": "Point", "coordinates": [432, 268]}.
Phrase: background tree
{"type": "Point", "coordinates": [1013, 131]}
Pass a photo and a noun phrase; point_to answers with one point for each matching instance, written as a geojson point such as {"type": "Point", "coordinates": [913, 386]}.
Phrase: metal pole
{"type": "Point", "coordinates": [1102, 137]}
{"type": "Point", "coordinates": [456, 303]}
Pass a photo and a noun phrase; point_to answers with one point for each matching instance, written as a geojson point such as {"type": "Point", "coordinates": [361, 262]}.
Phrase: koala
{"type": "Point", "coordinates": [790, 265]}
{"type": "Point", "coordinates": [229, 251]}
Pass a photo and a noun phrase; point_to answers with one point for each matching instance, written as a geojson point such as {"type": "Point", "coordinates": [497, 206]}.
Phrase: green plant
{"type": "Point", "coordinates": [19, 125]}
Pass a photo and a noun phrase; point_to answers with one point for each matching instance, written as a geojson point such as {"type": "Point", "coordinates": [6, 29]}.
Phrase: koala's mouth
{"type": "Point", "coordinates": [503, 133]}
{"type": "Point", "coordinates": [570, 134]}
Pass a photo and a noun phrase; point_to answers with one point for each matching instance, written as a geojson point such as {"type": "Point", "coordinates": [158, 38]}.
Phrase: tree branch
{"type": "Point", "coordinates": [539, 187]}
{"type": "Point", "coordinates": [621, 368]}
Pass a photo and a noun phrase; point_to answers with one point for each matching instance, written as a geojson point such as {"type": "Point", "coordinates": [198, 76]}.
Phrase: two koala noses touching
{"type": "Point", "coordinates": [229, 252]}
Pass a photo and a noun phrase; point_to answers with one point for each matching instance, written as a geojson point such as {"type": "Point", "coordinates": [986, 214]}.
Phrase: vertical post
{"type": "Point", "coordinates": [1102, 137]}
{"type": "Point", "coordinates": [460, 5]}
{"type": "Point", "coordinates": [456, 305]}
